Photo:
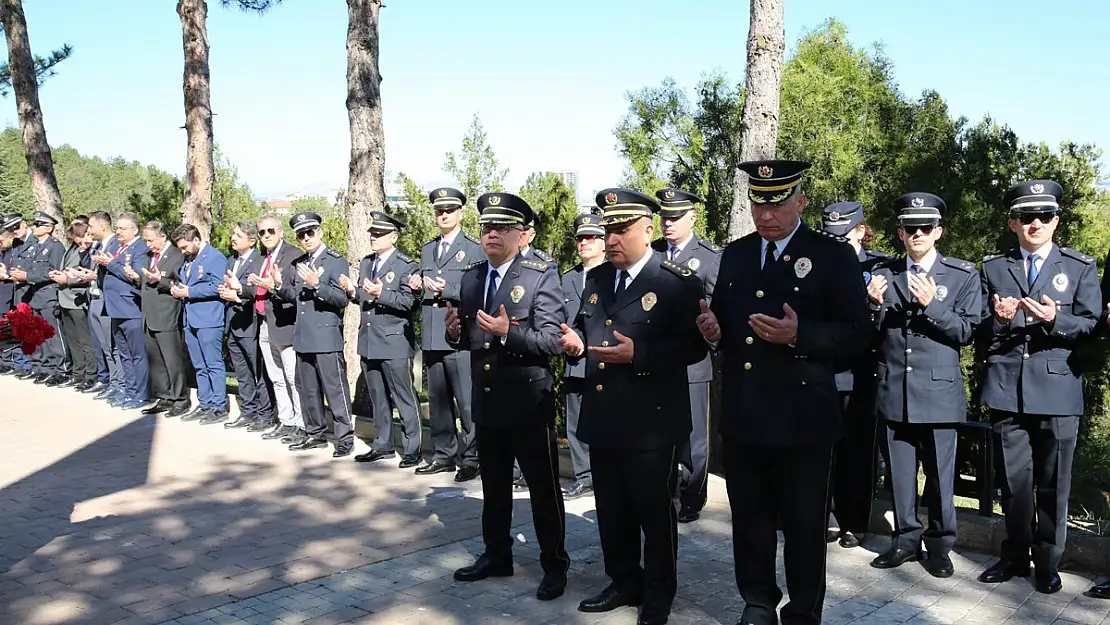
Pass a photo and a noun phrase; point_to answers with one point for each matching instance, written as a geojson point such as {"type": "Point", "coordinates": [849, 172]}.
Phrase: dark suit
{"type": "Point", "coordinates": [448, 370]}
{"type": "Point", "coordinates": [203, 323]}
{"type": "Point", "coordinates": [242, 342]}
{"type": "Point", "coordinates": [162, 331]}
{"type": "Point", "coordinates": [123, 303]}
{"type": "Point", "coordinates": [19, 360]}
{"type": "Point", "coordinates": [574, 372]}
{"type": "Point", "coordinates": [920, 392]}
{"type": "Point", "coordinates": [109, 371]}
{"type": "Point", "coordinates": [514, 402]}
{"type": "Point", "coordinates": [386, 344]}
{"type": "Point", "coordinates": [318, 341]}
{"type": "Point", "coordinates": [73, 310]}
{"type": "Point", "coordinates": [781, 410]}
{"type": "Point", "coordinates": [275, 337]}
{"type": "Point", "coordinates": [636, 416]}
{"type": "Point", "coordinates": [38, 259]}
{"type": "Point", "coordinates": [1034, 386]}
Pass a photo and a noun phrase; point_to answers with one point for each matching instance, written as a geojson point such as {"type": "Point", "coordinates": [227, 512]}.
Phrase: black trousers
{"type": "Point", "coordinates": [579, 451]}
{"type": "Point", "coordinates": [75, 326]}
{"type": "Point", "coordinates": [50, 357]}
{"type": "Point", "coordinates": [246, 360]}
{"type": "Point", "coordinates": [935, 447]}
{"type": "Point", "coordinates": [321, 376]}
{"type": "Point", "coordinates": [449, 395]}
{"type": "Point", "coordinates": [535, 448]}
{"type": "Point", "coordinates": [389, 383]}
{"type": "Point", "coordinates": [694, 454]}
{"type": "Point", "coordinates": [766, 485]}
{"type": "Point", "coordinates": [1036, 455]}
{"type": "Point", "coordinates": [853, 481]}
{"type": "Point", "coordinates": [166, 355]}
{"type": "Point", "coordinates": [634, 492]}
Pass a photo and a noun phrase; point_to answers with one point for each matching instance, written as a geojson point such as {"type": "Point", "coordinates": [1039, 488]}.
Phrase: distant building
{"type": "Point", "coordinates": [570, 179]}
{"type": "Point", "coordinates": [279, 207]}
{"type": "Point", "coordinates": [1104, 185]}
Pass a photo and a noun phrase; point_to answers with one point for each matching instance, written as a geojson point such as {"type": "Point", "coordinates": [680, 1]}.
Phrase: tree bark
{"type": "Point", "coordinates": [759, 121]}
{"type": "Point", "coordinates": [199, 168]}
{"type": "Point", "coordinates": [40, 166]}
{"type": "Point", "coordinates": [365, 186]}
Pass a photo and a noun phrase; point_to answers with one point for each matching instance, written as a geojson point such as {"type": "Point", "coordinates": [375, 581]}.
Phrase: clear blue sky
{"type": "Point", "coordinates": [548, 78]}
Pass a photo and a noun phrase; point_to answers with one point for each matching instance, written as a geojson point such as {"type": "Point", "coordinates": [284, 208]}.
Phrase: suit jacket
{"type": "Point", "coordinates": [513, 385]}
{"type": "Point", "coordinates": [319, 327]}
{"type": "Point", "coordinates": [776, 394]}
{"type": "Point", "coordinates": [38, 259]}
{"type": "Point", "coordinates": [386, 331]}
{"type": "Point", "coordinates": [463, 252]}
{"type": "Point", "coordinates": [16, 257]}
{"type": "Point", "coordinates": [122, 296]}
{"type": "Point", "coordinates": [572, 284]}
{"type": "Point", "coordinates": [241, 319]}
{"type": "Point", "coordinates": [644, 404]}
{"type": "Point", "coordinates": [703, 258]}
{"type": "Point", "coordinates": [280, 314]}
{"type": "Point", "coordinates": [918, 374]}
{"type": "Point", "coordinates": [162, 311]}
{"type": "Point", "coordinates": [204, 275]}
{"type": "Point", "coordinates": [859, 373]}
{"type": "Point", "coordinates": [7, 287]}
{"type": "Point", "coordinates": [1032, 367]}
{"type": "Point", "coordinates": [74, 294]}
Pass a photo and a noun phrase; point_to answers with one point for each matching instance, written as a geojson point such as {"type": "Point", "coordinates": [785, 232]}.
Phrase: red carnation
{"type": "Point", "coordinates": [23, 326]}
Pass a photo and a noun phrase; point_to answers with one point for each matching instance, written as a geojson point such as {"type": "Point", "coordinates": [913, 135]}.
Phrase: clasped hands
{"type": "Point", "coordinates": [1005, 309]}
{"type": "Point", "coordinates": [622, 353]}
{"type": "Point", "coordinates": [497, 325]}
{"type": "Point", "coordinates": [778, 331]}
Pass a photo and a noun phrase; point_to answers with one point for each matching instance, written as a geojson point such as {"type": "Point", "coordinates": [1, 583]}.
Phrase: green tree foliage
{"type": "Point", "coordinates": [417, 213]}
{"type": "Point", "coordinates": [476, 169]}
{"type": "Point", "coordinates": [44, 68]}
{"type": "Point", "coordinates": [231, 202]}
{"type": "Point", "coordinates": [556, 207]}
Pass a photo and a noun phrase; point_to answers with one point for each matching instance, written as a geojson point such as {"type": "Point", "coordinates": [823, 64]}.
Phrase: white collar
{"type": "Point", "coordinates": [926, 263]}
{"type": "Point", "coordinates": [245, 255]}
{"type": "Point", "coordinates": [384, 256]}
{"type": "Point", "coordinates": [779, 245]}
{"type": "Point", "coordinates": [634, 270]}
{"type": "Point", "coordinates": [450, 238]}
{"type": "Point", "coordinates": [316, 255]}
{"type": "Point", "coordinates": [1041, 253]}
{"type": "Point", "coordinates": [500, 268]}
{"type": "Point", "coordinates": [681, 246]}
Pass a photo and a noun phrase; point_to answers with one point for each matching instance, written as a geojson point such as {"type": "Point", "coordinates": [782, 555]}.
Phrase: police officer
{"type": "Point", "coordinates": [590, 241]}
{"type": "Point", "coordinates": [679, 244]}
{"type": "Point", "coordinates": [509, 313]}
{"type": "Point", "coordinates": [35, 261]}
{"type": "Point", "coordinates": [386, 341]}
{"type": "Point", "coordinates": [8, 225]}
{"type": "Point", "coordinates": [1040, 301]}
{"type": "Point", "coordinates": [853, 481]}
{"type": "Point", "coordinates": [442, 262]}
{"type": "Point", "coordinates": [318, 335]}
{"type": "Point", "coordinates": [638, 334]}
{"type": "Point", "coordinates": [926, 306]}
{"type": "Point", "coordinates": [791, 302]}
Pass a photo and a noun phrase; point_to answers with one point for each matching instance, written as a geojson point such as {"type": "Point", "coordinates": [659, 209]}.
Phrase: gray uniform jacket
{"type": "Point", "coordinates": [74, 294]}
{"type": "Point", "coordinates": [385, 331]}
{"type": "Point", "coordinates": [463, 252]}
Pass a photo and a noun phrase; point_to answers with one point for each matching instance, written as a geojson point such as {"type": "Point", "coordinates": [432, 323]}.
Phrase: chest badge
{"type": "Point", "coordinates": [45, 251]}
{"type": "Point", "coordinates": [200, 271]}
{"type": "Point", "coordinates": [866, 278]}
{"type": "Point", "coordinates": [390, 276]}
{"type": "Point", "coordinates": [1060, 282]}
{"type": "Point", "coordinates": [693, 264]}
{"type": "Point", "coordinates": [802, 267]}
{"type": "Point", "coordinates": [942, 292]}
{"type": "Point", "coordinates": [648, 301]}
{"type": "Point", "coordinates": [516, 294]}
{"type": "Point", "coordinates": [460, 256]}
{"type": "Point", "coordinates": [593, 298]}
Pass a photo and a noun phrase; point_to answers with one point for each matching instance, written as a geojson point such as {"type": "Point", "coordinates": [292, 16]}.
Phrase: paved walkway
{"type": "Point", "coordinates": [109, 517]}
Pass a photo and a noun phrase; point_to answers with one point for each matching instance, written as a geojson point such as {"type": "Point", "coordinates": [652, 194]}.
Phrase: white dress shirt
{"type": "Point", "coordinates": [779, 245]}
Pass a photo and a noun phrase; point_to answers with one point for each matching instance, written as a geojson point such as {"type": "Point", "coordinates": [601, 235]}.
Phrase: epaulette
{"type": "Point", "coordinates": [829, 235]}
{"type": "Point", "coordinates": [877, 254]}
{"type": "Point", "coordinates": [577, 267]}
{"type": "Point", "coordinates": [534, 264]}
{"type": "Point", "coordinates": [711, 246]}
{"type": "Point", "coordinates": [1077, 255]}
{"type": "Point", "coordinates": [474, 264]}
{"type": "Point", "coordinates": [471, 237]}
{"type": "Point", "coordinates": [542, 255]}
{"type": "Point", "coordinates": [956, 263]}
{"type": "Point", "coordinates": [405, 258]}
{"type": "Point", "coordinates": [332, 253]}
{"type": "Point", "coordinates": [990, 257]}
{"type": "Point", "coordinates": [677, 269]}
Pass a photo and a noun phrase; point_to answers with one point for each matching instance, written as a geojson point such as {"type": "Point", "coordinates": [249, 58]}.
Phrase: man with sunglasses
{"type": "Point", "coordinates": [31, 271]}
{"type": "Point", "coordinates": [508, 318]}
{"type": "Point", "coordinates": [931, 312]}
{"type": "Point", "coordinates": [442, 263]}
{"type": "Point", "coordinates": [318, 336]}
{"type": "Point", "coordinates": [1040, 301]}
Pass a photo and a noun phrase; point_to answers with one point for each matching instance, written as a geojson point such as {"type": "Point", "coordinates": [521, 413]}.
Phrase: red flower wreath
{"type": "Point", "coordinates": [23, 326]}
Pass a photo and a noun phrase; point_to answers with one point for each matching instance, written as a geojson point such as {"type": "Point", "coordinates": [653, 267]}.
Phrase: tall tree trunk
{"type": "Point", "coordinates": [759, 121]}
{"type": "Point", "coordinates": [40, 166]}
{"type": "Point", "coordinates": [365, 187]}
{"type": "Point", "coordinates": [197, 207]}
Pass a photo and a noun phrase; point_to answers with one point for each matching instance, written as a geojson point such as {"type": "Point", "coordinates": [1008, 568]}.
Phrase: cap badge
{"type": "Point", "coordinates": [802, 267]}
{"type": "Point", "coordinates": [389, 277]}
{"type": "Point", "coordinates": [669, 194]}
{"type": "Point", "coordinates": [648, 301]}
{"type": "Point", "coordinates": [834, 216]}
{"type": "Point", "coordinates": [1037, 189]}
{"type": "Point", "coordinates": [942, 292]}
{"type": "Point", "coordinates": [1060, 282]}
{"type": "Point", "coordinates": [442, 193]}
{"type": "Point", "coordinates": [593, 298]}
{"type": "Point", "coordinates": [494, 200]}
{"type": "Point", "coordinates": [765, 171]}
{"type": "Point", "coordinates": [516, 294]}
{"type": "Point", "coordinates": [917, 202]}
{"type": "Point", "coordinates": [693, 264]}
{"type": "Point", "coordinates": [460, 256]}
{"type": "Point", "coordinates": [610, 198]}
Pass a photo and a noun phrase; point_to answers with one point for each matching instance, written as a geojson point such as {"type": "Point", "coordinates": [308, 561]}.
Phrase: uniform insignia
{"type": "Point", "coordinates": [534, 264]}
{"type": "Point", "coordinates": [942, 292]}
{"type": "Point", "coordinates": [1060, 282]}
{"type": "Point", "coordinates": [390, 276]}
{"type": "Point", "coordinates": [669, 194]}
{"type": "Point", "coordinates": [200, 271]}
{"type": "Point", "coordinates": [648, 301]}
{"type": "Point", "coordinates": [610, 198]}
{"type": "Point", "coordinates": [46, 251]}
{"type": "Point", "coordinates": [678, 269]}
{"type": "Point", "coordinates": [516, 294]}
{"type": "Point", "coordinates": [866, 278]}
{"type": "Point", "coordinates": [1080, 256]}
{"type": "Point", "coordinates": [694, 264]}
{"type": "Point", "coordinates": [918, 202]}
{"type": "Point", "coordinates": [477, 263]}
{"type": "Point", "coordinates": [472, 238]}
{"type": "Point", "coordinates": [494, 200]}
{"type": "Point", "coordinates": [709, 245]}
{"type": "Point", "coordinates": [404, 258]}
{"type": "Point", "coordinates": [460, 256]}
{"type": "Point", "coordinates": [442, 193]}
{"type": "Point", "coordinates": [765, 171]}
{"type": "Point", "coordinates": [542, 255]}
{"type": "Point", "coordinates": [786, 258]}
{"type": "Point", "coordinates": [834, 216]}
{"type": "Point", "coordinates": [593, 298]}
{"type": "Point", "coordinates": [803, 267]}
{"type": "Point", "coordinates": [1037, 188]}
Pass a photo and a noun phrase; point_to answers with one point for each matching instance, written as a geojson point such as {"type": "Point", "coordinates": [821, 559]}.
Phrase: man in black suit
{"type": "Point", "coordinates": [242, 330]}
{"type": "Point", "coordinates": [508, 318]}
{"type": "Point", "coordinates": [637, 329]}
{"type": "Point", "coordinates": [789, 301]}
{"type": "Point", "coordinates": [165, 344]}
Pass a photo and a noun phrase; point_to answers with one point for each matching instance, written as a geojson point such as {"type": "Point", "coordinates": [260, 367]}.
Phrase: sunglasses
{"type": "Point", "coordinates": [39, 224]}
{"type": "Point", "coordinates": [499, 228]}
{"type": "Point", "coordinates": [925, 230]}
{"type": "Point", "coordinates": [270, 231]}
{"type": "Point", "coordinates": [305, 234]}
{"type": "Point", "coordinates": [588, 237]}
{"type": "Point", "coordinates": [1028, 218]}
{"type": "Point", "coordinates": [445, 211]}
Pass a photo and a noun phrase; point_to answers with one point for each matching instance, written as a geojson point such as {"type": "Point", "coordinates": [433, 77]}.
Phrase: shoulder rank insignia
{"type": "Point", "coordinates": [475, 265]}
{"type": "Point", "coordinates": [471, 237]}
{"type": "Point", "coordinates": [332, 253]}
{"type": "Point", "coordinates": [404, 258]}
{"type": "Point", "coordinates": [534, 264]}
{"type": "Point", "coordinates": [956, 263]}
{"type": "Point", "coordinates": [542, 255]}
{"type": "Point", "coordinates": [709, 245]}
{"type": "Point", "coordinates": [677, 269]}
{"type": "Point", "coordinates": [990, 257]}
{"type": "Point", "coordinates": [1077, 255]}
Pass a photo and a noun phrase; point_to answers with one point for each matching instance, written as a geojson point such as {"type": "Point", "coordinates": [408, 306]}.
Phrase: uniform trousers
{"type": "Point", "coordinates": [166, 355]}
{"type": "Point", "coordinates": [694, 452]}
{"type": "Point", "coordinates": [448, 396]}
{"type": "Point", "coordinates": [767, 485]}
{"type": "Point", "coordinates": [535, 447]}
{"type": "Point", "coordinates": [579, 451]}
{"type": "Point", "coordinates": [281, 369]}
{"type": "Point", "coordinates": [246, 360]}
{"type": "Point", "coordinates": [127, 336]}
{"type": "Point", "coordinates": [389, 384]}
{"type": "Point", "coordinates": [75, 325]}
{"type": "Point", "coordinates": [50, 357]}
{"type": "Point", "coordinates": [206, 351]}
{"type": "Point", "coordinates": [1036, 454]}
{"type": "Point", "coordinates": [324, 376]}
{"type": "Point", "coordinates": [935, 447]}
{"type": "Point", "coordinates": [634, 492]}
{"type": "Point", "coordinates": [853, 482]}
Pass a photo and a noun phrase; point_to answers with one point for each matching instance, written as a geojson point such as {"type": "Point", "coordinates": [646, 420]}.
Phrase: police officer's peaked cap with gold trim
{"type": "Point", "coordinates": [305, 221]}
{"type": "Point", "coordinates": [841, 217]}
{"type": "Point", "coordinates": [675, 202]}
{"type": "Point", "coordinates": [381, 223]}
{"type": "Point", "coordinates": [588, 224]}
{"type": "Point", "coordinates": [446, 198]}
{"type": "Point", "coordinates": [504, 209]}
{"type": "Point", "coordinates": [920, 209]}
{"type": "Point", "coordinates": [1034, 196]}
{"type": "Point", "coordinates": [620, 206]}
{"type": "Point", "coordinates": [773, 182]}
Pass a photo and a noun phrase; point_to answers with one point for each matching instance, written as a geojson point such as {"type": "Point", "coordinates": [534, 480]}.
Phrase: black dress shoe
{"type": "Point", "coordinates": [261, 425]}
{"type": "Point", "coordinates": [576, 490]}
{"type": "Point", "coordinates": [653, 617]}
{"type": "Point", "coordinates": [242, 422]}
{"type": "Point", "coordinates": [1099, 591]}
{"type": "Point", "coordinates": [66, 382]}
{"type": "Point", "coordinates": [280, 431]}
{"type": "Point", "coordinates": [467, 473]}
{"type": "Point", "coordinates": [848, 540]}
{"type": "Point", "coordinates": [552, 586]}
{"type": "Point", "coordinates": [94, 389]}
{"type": "Point", "coordinates": [434, 467]}
{"type": "Point", "coordinates": [483, 568]}
{"type": "Point", "coordinates": [309, 443]}
{"type": "Point", "coordinates": [1004, 570]}
{"type": "Point", "coordinates": [375, 455]}
{"type": "Point", "coordinates": [1047, 582]}
{"type": "Point", "coordinates": [196, 414]}
{"type": "Point", "coordinates": [688, 514]}
{"type": "Point", "coordinates": [105, 392]}
{"type": "Point", "coordinates": [610, 599]}
{"type": "Point", "coordinates": [177, 411]}
{"type": "Point", "coordinates": [27, 374]}
{"type": "Point", "coordinates": [831, 536]}
{"type": "Point", "coordinates": [214, 417]}
{"type": "Point", "coordinates": [342, 449]}
{"type": "Point", "coordinates": [159, 406]}
{"type": "Point", "coordinates": [40, 378]}
{"type": "Point", "coordinates": [408, 462]}
{"type": "Point", "coordinates": [939, 566]}
{"type": "Point", "coordinates": [298, 436]}
{"type": "Point", "coordinates": [895, 558]}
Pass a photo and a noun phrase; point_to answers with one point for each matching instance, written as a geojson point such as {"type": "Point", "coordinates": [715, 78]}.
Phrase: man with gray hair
{"type": "Point", "coordinates": [242, 329]}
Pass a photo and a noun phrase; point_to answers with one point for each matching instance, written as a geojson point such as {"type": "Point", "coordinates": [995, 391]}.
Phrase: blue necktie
{"type": "Point", "coordinates": [374, 271]}
{"type": "Point", "coordinates": [1033, 271]}
{"type": "Point", "coordinates": [491, 290]}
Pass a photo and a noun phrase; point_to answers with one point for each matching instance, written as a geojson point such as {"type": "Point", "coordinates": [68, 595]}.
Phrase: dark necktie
{"type": "Point", "coordinates": [1033, 271]}
{"type": "Point", "coordinates": [769, 257]}
{"type": "Point", "coordinates": [621, 279]}
{"type": "Point", "coordinates": [491, 290]}
{"type": "Point", "coordinates": [918, 269]}
{"type": "Point", "coordinates": [374, 270]}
